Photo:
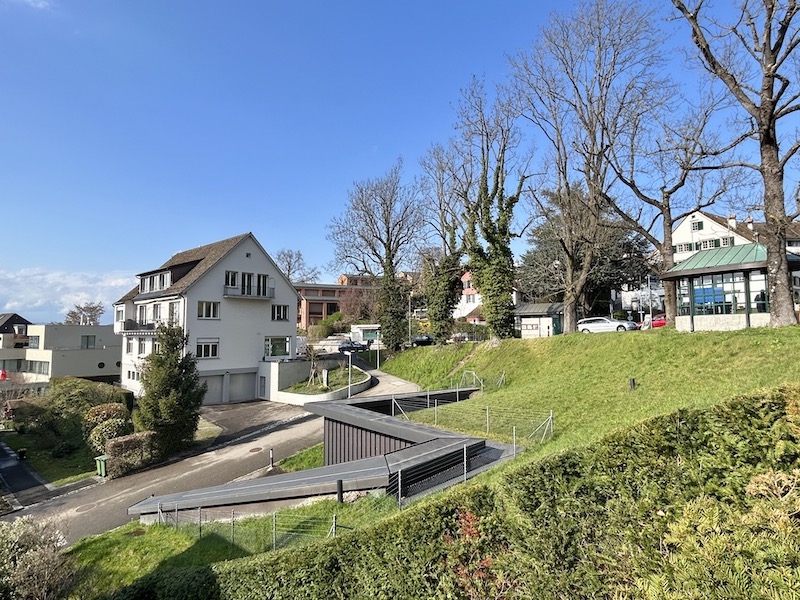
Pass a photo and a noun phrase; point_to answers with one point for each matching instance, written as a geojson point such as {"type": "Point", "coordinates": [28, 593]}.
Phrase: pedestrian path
{"type": "Point", "coordinates": [23, 487]}
{"type": "Point", "coordinates": [386, 384]}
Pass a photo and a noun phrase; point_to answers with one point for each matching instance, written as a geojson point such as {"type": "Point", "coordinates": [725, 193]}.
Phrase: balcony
{"type": "Point", "coordinates": [252, 293]}
{"type": "Point", "coordinates": [130, 326]}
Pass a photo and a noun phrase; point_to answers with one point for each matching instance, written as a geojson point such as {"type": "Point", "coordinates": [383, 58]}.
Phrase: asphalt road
{"type": "Point", "coordinates": [99, 508]}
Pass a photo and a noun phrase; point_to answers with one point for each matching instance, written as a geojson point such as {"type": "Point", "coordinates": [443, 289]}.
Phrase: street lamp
{"type": "Point", "coordinates": [349, 371]}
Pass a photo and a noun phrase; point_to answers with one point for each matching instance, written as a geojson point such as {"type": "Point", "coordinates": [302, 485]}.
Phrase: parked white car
{"type": "Point", "coordinates": [599, 324]}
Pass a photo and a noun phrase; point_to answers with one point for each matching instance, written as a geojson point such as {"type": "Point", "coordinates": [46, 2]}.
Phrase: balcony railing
{"type": "Point", "coordinates": [131, 325]}
{"type": "Point", "coordinates": [253, 292]}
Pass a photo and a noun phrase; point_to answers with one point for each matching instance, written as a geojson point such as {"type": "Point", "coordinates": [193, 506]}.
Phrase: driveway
{"type": "Point", "coordinates": [99, 508]}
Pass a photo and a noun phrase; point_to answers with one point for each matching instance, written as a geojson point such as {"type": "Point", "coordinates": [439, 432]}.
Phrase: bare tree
{"type": "Point", "coordinates": [488, 148]}
{"type": "Point", "coordinates": [294, 266]}
{"type": "Point", "coordinates": [441, 263]}
{"type": "Point", "coordinates": [375, 236]}
{"type": "Point", "coordinates": [576, 86]}
{"type": "Point", "coordinates": [85, 314]}
{"type": "Point", "coordinates": [753, 54]}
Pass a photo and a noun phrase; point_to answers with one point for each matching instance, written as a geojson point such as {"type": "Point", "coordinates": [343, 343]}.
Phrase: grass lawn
{"type": "Point", "coordinates": [57, 471]}
{"type": "Point", "coordinates": [338, 378]}
{"type": "Point", "coordinates": [583, 379]}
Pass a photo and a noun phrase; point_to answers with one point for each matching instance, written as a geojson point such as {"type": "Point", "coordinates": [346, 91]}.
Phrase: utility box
{"type": "Point", "coordinates": [100, 461]}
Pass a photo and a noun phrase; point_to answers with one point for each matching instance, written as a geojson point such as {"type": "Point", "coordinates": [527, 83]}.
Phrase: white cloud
{"type": "Point", "coordinates": [37, 4]}
{"type": "Point", "coordinates": [45, 296]}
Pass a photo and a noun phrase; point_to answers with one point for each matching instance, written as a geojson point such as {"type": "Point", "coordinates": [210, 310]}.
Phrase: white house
{"type": "Point", "coordinates": [234, 303]}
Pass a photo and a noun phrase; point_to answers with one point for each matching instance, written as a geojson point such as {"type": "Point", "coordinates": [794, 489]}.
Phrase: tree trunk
{"type": "Point", "coordinates": [668, 261]}
{"type": "Point", "coordinates": [781, 302]}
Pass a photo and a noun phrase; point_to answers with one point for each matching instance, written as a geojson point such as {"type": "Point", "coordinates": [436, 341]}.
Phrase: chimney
{"type": "Point", "coordinates": [731, 221]}
{"type": "Point", "coordinates": [749, 221]}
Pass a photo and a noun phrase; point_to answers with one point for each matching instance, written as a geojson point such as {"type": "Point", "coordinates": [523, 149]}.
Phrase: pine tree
{"type": "Point", "coordinates": [173, 393]}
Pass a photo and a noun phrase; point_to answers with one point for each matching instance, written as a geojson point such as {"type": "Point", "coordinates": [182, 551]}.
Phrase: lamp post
{"type": "Point", "coordinates": [349, 371]}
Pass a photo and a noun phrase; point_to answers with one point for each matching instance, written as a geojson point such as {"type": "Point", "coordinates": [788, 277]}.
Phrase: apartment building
{"type": "Point", "coordinates": [236, 306]}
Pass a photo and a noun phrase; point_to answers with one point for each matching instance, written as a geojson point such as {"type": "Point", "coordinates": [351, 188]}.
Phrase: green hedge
{"type": "Point", "coordinates": [591, 523]}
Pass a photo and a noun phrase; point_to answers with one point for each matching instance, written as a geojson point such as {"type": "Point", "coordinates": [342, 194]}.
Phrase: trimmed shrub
{"type": "Point", "coordinates": [130, 452]}
{"type": "Point", "coordinates": [103, 412]}
{"type": "Point", "coordinates": [113, 428]}
{"type": "Point", "coordinates": [63, 449]}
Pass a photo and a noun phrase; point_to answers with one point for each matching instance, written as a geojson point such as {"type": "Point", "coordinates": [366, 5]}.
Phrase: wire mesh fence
{"type": "Point", "coordinates": [251, 534]}
{"type": "Point", "coordinates": [507, 424]}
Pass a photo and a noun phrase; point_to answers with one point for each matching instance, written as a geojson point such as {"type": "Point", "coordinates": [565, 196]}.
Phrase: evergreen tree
{"type": "Point", "coordinates": [173, 393]}
{"type": "Point", "coordinates": [392, 300]}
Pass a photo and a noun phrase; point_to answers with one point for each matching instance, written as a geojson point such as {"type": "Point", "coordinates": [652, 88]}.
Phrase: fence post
{"type": "Point", "coordinates": [333, 529]}
{"type": "Point", "coordinates": [399, 488]}
{"type": "Point", "coordinates": [274, 530]}
{"type": "Point", "coordinates": [429, 398]}
{"type": "Point", "coordinates": [199, 522]}
{"type": "Point", "coordinates": [457, 394]}
{"type": "Point", "coordinates": [487, 419]}
{"type": "Point", "coordinates": [271, 461]}
{"type": "Point", "coordinates": [233, 521]}
{"type": "Point", "coordinates": [393, 401]}
{"type": "Point", "coordinates": [176, 515]}
{"type": "Point", "coordinates": [435, 411]}
{"type": "Point", "coordinates": [465, 463]}
{"type": "Point", "coordinates": [514, 438]}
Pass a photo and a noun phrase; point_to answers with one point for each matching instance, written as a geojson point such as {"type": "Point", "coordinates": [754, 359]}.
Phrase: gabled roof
{"type": "Point", "coordinates": [8, 320]}
{"type": "Point", "coordinates": [189, 266]}
{"type": "Point", "coordinates": [726, 260]}
{"type": "Point", "coordinates": [759, 228]}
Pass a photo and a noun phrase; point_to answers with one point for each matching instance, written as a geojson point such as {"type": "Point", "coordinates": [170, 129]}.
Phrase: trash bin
{"type": "Point", "coordinates": [100, 461]}
{"type": "Point", "coordinates": [22, 453]}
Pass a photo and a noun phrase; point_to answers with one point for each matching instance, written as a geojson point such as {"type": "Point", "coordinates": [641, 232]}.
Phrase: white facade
{"type": "Point", "coordinates": [90, 351]}
{"type": "Point", "coordinates": [233, 302]}
{"type": "Point", "coordinates": [703, 231]}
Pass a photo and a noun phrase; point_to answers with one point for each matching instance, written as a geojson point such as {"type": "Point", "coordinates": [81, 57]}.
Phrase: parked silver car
{"type": "Point", "coordinates": [598, 324]}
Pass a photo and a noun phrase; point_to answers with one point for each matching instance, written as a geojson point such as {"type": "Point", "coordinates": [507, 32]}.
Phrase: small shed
{"type": "Point", "coordinates": [539, 319]}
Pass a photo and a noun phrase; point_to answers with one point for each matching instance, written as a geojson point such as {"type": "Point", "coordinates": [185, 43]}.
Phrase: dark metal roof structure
{"type": "Point", "coordinates": [434, 459]}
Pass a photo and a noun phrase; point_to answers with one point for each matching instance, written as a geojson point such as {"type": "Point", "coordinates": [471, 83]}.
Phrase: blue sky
{"type": "Point", "coordinates": [133, 130]}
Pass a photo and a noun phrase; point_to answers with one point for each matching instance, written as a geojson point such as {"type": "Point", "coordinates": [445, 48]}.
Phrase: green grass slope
{"type": "Point", "coordinates": [585, 379]}
{"type": "Point", "coordinates": [603, 510]}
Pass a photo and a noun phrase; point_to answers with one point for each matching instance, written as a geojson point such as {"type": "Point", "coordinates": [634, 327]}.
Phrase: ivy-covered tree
{"type": "Point", "coordinates": [173, 394]}
{"type": "Point", "coordinates": [490, 137]}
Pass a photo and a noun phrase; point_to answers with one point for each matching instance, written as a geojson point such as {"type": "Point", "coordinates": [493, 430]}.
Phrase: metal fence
{"type": "Point", "coordinates": [251, 534]}
{"type": "Point", "coordinates": [509, 424]}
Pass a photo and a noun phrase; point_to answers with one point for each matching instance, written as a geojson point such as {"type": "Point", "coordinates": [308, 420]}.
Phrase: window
{"type": "Point", "coordinates": [87, 342]}
{"type": "Point", "coordinates": [207, 310]}
{"type": "Point", "coordinates": [156, 312]}
{"type": "Point", "coordinates": [33, 342]}
{"type": "Point", "coordinates": [142, 348]}
{"type": "Point", "coordinates": [709, 244]}
{"type": "Point", "coordinates": [174, 312]}
{"type": "Point", "coordinates": [276, 346]}
{"type": "Point", "coordinates": [129, 345]}
{"type": "Point", "coordinates": [469, 298]}
{"type": "Point", "coordinates": [207, 348]}
{"type": "Point", "coordinates": [280, 312]}
{"type": "Point", "coordinates": [697, 226]}
{"type": "Point", "coordinates": [163, 281]}
{"type": "Point", "coordinates": [142, 315]}
{"type": "Point", "coordinates": [684, 248]}
{"type": "Point", "coordinates": [727, 242]}
{"type": "Point", "coordinates": [262, 281]}
{"type": "Point", "coordinates": [230, 278]}
{"type": "Point", "coordinates": [247, 284]}
{"type": "Point", "coordinates": [120, 315]}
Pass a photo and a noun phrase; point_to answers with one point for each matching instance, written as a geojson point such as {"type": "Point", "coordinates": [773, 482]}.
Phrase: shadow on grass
{"type": "Point", "coordinates": [187, 574]}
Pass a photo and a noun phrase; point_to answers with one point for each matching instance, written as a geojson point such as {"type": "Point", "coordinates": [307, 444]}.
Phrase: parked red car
{"type": "Point", "coordinates": [658, 321]}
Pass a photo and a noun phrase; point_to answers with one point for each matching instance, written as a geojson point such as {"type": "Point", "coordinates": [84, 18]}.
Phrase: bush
{"type": "Point", "coordinates": [63, 449]}
{"type": "Point", "coordinates": [103, 412]}
{"type": "Point", "coordinates": [112, 428]}
{"type": "Point", "coordinates": [130, 452]}
{"type": "Point", "coordinates": [32, 561]}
